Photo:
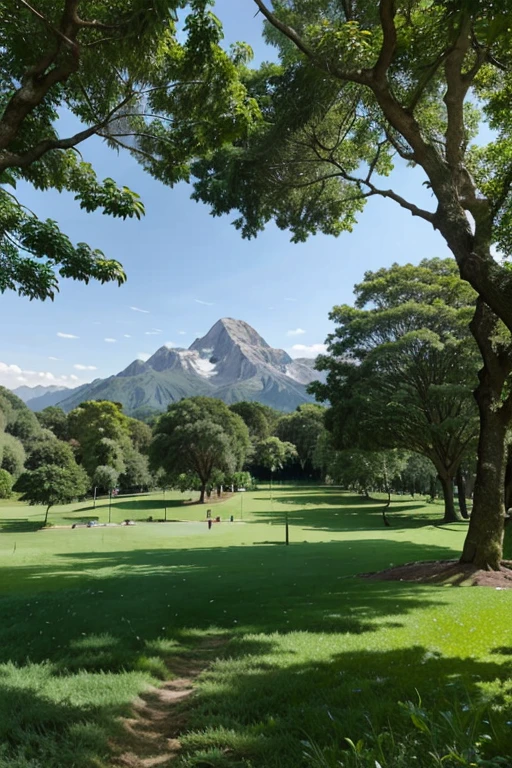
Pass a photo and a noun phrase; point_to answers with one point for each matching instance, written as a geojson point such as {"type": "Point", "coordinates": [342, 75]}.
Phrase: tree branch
{"type": "Point", "coordinates": [387, 22]}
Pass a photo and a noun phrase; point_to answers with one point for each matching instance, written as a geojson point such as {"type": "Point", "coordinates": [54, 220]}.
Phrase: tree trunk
{"type": "Point", "coordinates": [508, 481]}
{"type": "Point", "coordinates": [461, 492]}
{"type": "Point", "coordinates": [433, 489]}
{"type": "Point", "coordinates": [46, 516]}
{"type": "Point", "coordinates": [450, 514]}
{"type": "Point", "coordinates": [484, 541]}
{"type": "Point", "coordinates": [203, 491]}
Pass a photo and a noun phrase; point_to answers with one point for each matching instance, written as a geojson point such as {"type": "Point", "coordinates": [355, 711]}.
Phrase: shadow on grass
{"type": "Point", "coordinates": [361, 515]}
{"type": "Point", "coordinates": [15, 525]}
{"type": "Point", "coordinates": [92, 619]}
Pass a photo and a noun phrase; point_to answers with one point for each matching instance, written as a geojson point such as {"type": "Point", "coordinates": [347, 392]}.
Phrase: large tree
{"type": "Point", "coordinates": [360, 85]}
{"type": "Point", "coordinates": [100, 428]}
{"type": "Point", "coordinates": [402, 366]}
{"type": "Point", "coordinates": [128, 71]}
{"type": "Point", "coordinates": [302, 428]}
{"type": "Point", "coordinates": [198, 436]}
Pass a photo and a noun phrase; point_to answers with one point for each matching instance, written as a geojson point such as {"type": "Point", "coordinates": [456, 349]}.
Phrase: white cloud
{"type": "Point", "coordinates": [80, 367]}
{"type": "Point", "coordinates": [309, 350]}
{"type": "Point", "coordinates": [127, 336]}
{"type": "Point", "coordinates": [153, 333]}
{"type": "Point", "coordinates": [54, 358]}
{"type": "Point", "coordinates": [66, 335]}
{"type": "Point", "coordinates": [290, 299]}
{"type": "Point", "coordinates": [182, 333]}
{"type": "Point", "coordinates": [11, 376]}
{"type": "Point", "coordinates": [296, 332]}
{"type": "Point", "coordinates": [157, 330]}
{"type": "Point", "coordinates": [170, 344]}
{"type": "Point", "coordinates": [143, 356]}
{"type": "Point", "coordinates": [74, 378]}
{"type": "Point", "coordinates": [110, 341]}
{"type": "Point", "coordinates": [137, 309]}
{"type": "Point", "coordinates": [205, 303]}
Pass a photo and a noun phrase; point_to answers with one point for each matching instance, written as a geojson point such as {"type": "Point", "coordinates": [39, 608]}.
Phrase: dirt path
{"type": "Point", "coordinates": [151, 734]}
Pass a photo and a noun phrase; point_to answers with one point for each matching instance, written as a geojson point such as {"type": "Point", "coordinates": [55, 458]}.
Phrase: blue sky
{"type": "Point", "coordinates": [186, 269]}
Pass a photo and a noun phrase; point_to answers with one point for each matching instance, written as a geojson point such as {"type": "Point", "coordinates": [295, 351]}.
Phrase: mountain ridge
{"type": "Point", "coordinates": [232, 362]}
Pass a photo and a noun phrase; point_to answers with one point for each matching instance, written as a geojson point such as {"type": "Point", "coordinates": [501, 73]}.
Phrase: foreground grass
{"type": "Point", "coordinates": [90, 617]}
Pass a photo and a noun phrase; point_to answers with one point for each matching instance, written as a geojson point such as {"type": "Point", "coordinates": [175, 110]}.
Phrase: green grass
{"type": "Point", "coordinates": [313, 654]}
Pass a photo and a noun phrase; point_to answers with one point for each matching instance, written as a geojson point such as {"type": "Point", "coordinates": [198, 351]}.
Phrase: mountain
{"type": "Point", "coordinates": [43, 395]}
{"type": "Point", "coordinates": [232, 362]}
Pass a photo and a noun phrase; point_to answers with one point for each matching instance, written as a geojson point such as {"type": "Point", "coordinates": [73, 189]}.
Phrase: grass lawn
{"type": "Point", "coordinates": [312, 654]}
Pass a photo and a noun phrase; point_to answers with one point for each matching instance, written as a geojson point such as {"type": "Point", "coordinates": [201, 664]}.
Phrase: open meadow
{"type": "Point", "coordinates": [290, 652]}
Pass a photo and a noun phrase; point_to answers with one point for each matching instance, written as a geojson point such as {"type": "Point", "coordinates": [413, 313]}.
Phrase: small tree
{"type": "Point", "coordinates": [105, 478]}
{"type": "Point", "coordinates": [273, 454]}
{"type": "Point", "coordinates": [302, 428]}
{"type": "Point", "coordinates": [51, 484]}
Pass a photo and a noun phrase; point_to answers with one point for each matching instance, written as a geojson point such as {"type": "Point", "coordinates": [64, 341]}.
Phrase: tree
{"type": "Point", "coordinates": [408, 81]}
{"type": "Point", "coordinates": [100, 427]}
{"type": "Point", "coordinates": [273, 453]}
{"type": "Point", "coordinates": [136, 469]}
{"type": "Point", "coordinates": [49, 451]}
{"type": "Point", "coordinates": [105, 477]}
{"type": "Point", "coordinates": [6, 483]}
{"type": "Point", "coordinates": [54, 419]}
{"type": "Point", "coordinates": [51, 484]}
{"type": "Point", "coordinates": [255, 416]}
{"type": "Point", "coordinates": [13, 455]}
{"type": "Point", "coordinates": [302, 428]}
{"type": "Point", "coordinates": [197, 436]}
{"type": "Point", "coordinates": [140, 435]}
{"type": "Point", "coordinates": [130, 72]}
{"type": "Point", "coordinates": [402, 366]}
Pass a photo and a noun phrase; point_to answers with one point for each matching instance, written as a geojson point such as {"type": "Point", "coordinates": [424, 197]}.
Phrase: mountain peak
{"type": "Point", "coordinates": [228, 330]}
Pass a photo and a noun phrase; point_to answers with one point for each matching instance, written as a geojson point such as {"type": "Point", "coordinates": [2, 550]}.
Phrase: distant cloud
{"type": "Point", "coordinates": [143, 356]}
{"type": "Point", "coordinates": [12, 376]}
{"type": "Point", "coordinates": [311, 350]}
{"type": "Point", "coordinates": [74, 378]}
{"type": "Point", "coordinates": [127, 336]}
{"type": "Point", "coordinates": [296, 332]}
{"type": "Point", "coordinates": [152, 333]}
{"type": "Point", "coordinates": [80, 367]}
{"type": "Point", "coordinates": [67, 335]}
{"type": "Point", "coordinates": [157, 330]}
{"type": "Point", "coordinates": [137, 309]}
{"type": "Point", "coordinates": [110, 341]}
{"type": "Point", "coordinates": [182, 333]}
{"type": "Point", "coordinates": [170, 344]}
{"type": "Point", "coordinates": [54, 358]}
{"type": "Point", "coordinates": [288, 298]}
{"type": "Point", "coordinates": [205, 303]}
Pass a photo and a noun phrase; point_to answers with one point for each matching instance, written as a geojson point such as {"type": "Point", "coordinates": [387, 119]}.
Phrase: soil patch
{"type": "Point", "coordinates": [150, 737]}
{"type": "Point", "coordinates": [447, 573]}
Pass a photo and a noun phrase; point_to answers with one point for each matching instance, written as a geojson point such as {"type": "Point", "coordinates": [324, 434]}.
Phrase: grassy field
{"type": "Point", "coordinates": [308, 653]}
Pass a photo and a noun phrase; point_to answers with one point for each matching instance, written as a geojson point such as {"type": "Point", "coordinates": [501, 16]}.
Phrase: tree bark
{"type": "Point", "coordinates": [484, 542]}
{"type": "Point", "coordinates": [508, 481]}
{"type": "Point", "coordinates": [461, 493]}
{"type": "Point", "coordinates": [203, 491]}
{"type": "Point", "coordinates": [450, 514]}
{"type": "Point", "coordinates": [46, 516]}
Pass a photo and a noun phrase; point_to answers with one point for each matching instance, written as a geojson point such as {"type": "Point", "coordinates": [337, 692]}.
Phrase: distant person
{"type": "Point", "coordinates": [209, 523]}
{"type": "Point", "coordinates": [208, 514]}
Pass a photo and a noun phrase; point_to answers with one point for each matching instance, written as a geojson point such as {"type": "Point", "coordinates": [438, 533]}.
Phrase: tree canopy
{"type": "Point", "coordinates": [359, 87]}
{"type": "Point", "coordinates": [199, 435]}
{"type": "Point", "coordinates": [402, 366]}
{"type": "Point", "coordinates": [302, 428]}
{"type": "Point", "coordinates": [131, 72]}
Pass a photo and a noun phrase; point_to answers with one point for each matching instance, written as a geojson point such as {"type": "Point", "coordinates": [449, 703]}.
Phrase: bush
{"type": "Point", "coordinates": [6, 483]}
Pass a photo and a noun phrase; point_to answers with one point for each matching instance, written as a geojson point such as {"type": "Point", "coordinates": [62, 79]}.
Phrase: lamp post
{"type": "Point", "coordinates": [110, 505]}
{"type": "Point", "coordinates": [165, 507]}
